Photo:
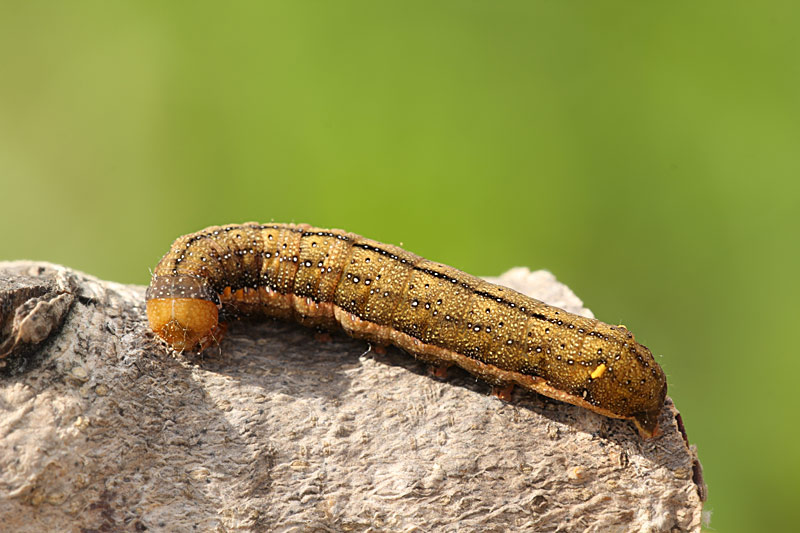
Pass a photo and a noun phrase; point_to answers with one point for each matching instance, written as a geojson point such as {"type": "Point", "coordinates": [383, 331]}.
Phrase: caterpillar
{"type": "Point", "coordinates": [384, 294]}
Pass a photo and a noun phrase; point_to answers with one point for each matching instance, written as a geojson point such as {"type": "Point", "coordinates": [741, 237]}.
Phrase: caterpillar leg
{"type": "Point", "coordinates": [438, 371]}
{"type": "Point", "coordinates": [503, 392]}
{"type": "Point", "coordinates": [379, 349]}
{"type": "Point", "coordinates": [322, 336]}
{"type": "Point", "coordinates": [213, 338]}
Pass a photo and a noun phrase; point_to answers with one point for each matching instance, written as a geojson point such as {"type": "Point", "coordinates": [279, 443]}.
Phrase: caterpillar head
{"type": "Point", "coordinates": [182, 311]}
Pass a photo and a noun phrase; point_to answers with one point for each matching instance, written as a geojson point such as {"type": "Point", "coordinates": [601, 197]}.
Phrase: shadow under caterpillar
{"type": "Point", "coordinates": [384, 294]}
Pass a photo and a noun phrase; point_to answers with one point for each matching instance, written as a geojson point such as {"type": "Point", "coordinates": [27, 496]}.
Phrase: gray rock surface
{"type": "Point", "coordinates": [102, 430]}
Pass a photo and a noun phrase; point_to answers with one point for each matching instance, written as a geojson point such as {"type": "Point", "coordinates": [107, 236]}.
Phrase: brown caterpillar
{"type": "Point", "coordinates": [387, 295]}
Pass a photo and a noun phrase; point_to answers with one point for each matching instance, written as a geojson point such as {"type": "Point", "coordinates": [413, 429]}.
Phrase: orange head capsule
{"type": "Point", "coordinates": [184, 323]}
{"type": "Point", "coordinates": [182, 310]}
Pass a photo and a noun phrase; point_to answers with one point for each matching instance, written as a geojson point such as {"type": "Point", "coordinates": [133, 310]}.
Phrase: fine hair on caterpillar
{"type": "Point", "coordinates": [386, 295]}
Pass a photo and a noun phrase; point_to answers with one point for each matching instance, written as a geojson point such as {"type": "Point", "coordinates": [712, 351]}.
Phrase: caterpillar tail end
{"type": "Point", "coordinates": [186, 324]}
{"type": "Point", "coordinates": [647, 424]}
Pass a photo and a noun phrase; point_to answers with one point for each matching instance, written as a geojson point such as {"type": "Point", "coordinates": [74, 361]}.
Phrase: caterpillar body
{"type": "Point", "coordinates": [384, 294]}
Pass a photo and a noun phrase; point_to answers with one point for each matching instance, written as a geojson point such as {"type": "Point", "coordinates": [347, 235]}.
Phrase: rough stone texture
{"type": "Point", "coordinates": [102, 430]}
{"type": "Point", "coordinates": [31, 309]}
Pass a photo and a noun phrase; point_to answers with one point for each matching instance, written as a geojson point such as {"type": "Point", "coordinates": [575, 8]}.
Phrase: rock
{"type": "Point", "coordinates": [102, 430]}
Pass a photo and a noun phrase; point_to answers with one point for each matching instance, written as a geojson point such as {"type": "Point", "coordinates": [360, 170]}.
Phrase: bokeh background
{"type": "Point", "coordinates": [644, 152]}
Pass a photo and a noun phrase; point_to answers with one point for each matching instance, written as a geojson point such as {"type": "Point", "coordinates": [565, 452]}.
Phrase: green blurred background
{"type": "Point", "coordinates": [644, 152]}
